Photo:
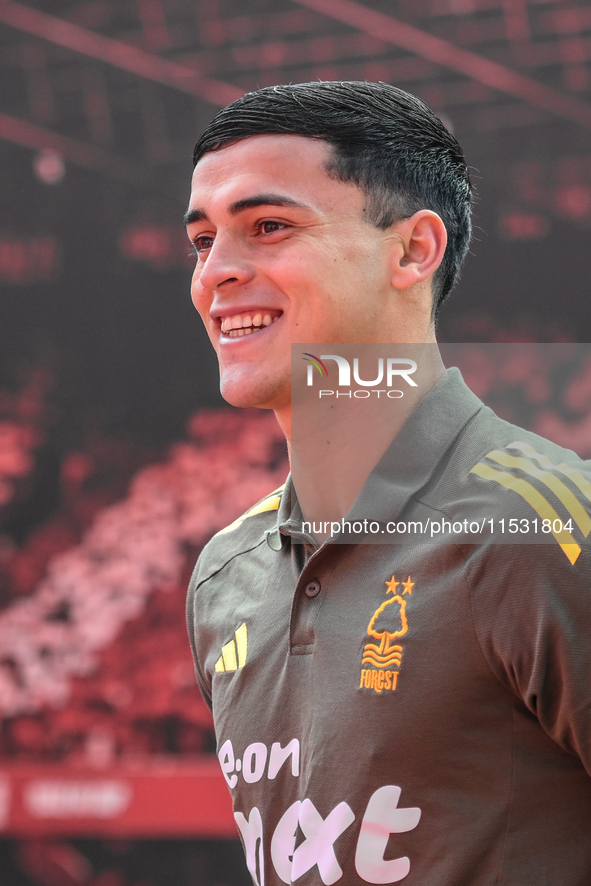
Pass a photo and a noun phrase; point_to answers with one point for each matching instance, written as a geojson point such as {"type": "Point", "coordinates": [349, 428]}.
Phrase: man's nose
{"type": "Point", "coordinates": [226, 265]}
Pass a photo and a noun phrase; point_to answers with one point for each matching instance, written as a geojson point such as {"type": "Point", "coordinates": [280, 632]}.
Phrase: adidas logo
{"type": "Point", "coordinates": [233, 655]}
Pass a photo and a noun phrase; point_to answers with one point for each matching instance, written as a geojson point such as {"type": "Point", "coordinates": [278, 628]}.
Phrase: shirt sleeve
{"type": "Point", "coordinates": [192, 623]}
{"type": "Point", "coordinates": [532, 614]}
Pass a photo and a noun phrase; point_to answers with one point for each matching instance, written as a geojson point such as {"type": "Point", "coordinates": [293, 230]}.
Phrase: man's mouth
{"type": "Point", "coordinates": [246, 324]}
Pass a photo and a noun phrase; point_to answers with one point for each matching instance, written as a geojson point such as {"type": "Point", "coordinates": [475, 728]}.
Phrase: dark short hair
{"type": "Point", "coordinates": [385, 140]}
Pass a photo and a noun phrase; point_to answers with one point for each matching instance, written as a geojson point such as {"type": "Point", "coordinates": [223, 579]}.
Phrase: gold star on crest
{"type": "Point", "coordinates": [408, 585]}
{"type": "Point", "coordinates": [392, 585]}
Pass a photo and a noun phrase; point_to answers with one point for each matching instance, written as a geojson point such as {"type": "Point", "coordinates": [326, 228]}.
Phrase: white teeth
{"type": "Point", "coordinates": [239, 324]}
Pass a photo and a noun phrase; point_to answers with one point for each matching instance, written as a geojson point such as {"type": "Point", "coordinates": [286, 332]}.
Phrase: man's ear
{"type": "Point", "coordinates": [418, 245]}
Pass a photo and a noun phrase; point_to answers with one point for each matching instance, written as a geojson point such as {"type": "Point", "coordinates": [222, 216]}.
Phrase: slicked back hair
{"type": "Point", "coordinates": [384, 140]}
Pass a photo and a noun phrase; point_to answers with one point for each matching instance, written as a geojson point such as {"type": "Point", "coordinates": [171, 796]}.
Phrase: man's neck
{"type": "Point", "coordinates": [336, 444]}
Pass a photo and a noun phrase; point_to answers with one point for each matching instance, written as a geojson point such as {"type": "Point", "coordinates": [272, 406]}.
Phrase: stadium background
{"type": "Point", "coordinates": [117, 457]}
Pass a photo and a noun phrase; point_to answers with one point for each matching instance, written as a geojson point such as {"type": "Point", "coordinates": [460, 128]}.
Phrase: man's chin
{"type": "Point", "coordinates": [247, 395]}
{"type": "Point", "coordinates": [243, 401]}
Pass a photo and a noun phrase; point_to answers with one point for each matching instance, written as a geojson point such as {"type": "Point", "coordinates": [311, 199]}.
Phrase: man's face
{"type": "Point", "coordinates": [284, 254]}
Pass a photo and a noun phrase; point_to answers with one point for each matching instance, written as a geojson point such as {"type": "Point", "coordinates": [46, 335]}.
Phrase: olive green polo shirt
{"type": "Point", "coordinates": [416, 711]}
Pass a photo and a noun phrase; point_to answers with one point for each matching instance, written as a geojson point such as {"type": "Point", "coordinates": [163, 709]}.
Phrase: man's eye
{"type": "Point", "coordinates": [202, 244]}
{"type": "Point", "coordinates": [270, 227]}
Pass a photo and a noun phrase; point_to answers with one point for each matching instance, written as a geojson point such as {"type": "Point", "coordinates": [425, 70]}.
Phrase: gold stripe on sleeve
{"type": "Point", "coordinates": [560, 490]}
{"type": "Point", "coordinates": [541, 506]}
{"type": "Point", "coordinates": [574, 476]}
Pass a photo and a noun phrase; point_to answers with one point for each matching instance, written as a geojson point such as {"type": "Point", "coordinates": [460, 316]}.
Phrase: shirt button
{"type": "Point", "coordinates": [313, 588]}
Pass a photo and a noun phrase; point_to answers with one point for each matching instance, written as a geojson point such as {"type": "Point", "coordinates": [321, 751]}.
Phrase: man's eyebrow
{"type": "Point", "coordinates": [197, 215]}
{"type": "Point", "coordinates": [264, 200]}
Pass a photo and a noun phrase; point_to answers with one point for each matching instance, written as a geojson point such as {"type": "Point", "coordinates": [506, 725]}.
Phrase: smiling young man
{"type": "Point", "coordinates": [288, 253]}
{"type": "Point", "coordinates": [384, 712]}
